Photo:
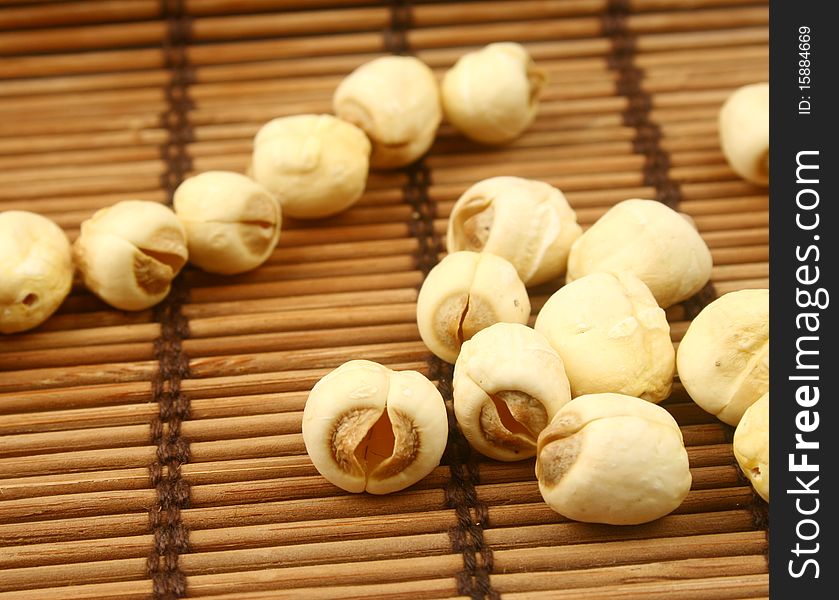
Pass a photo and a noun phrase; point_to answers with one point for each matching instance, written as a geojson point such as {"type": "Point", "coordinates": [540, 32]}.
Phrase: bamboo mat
{"type": "Point", "coordinates": [158, 454]}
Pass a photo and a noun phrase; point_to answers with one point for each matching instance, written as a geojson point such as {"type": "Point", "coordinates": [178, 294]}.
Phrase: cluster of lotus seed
{"type": "Point", "coordinates": [387, 113]}
{"type": "Point", "coordinates": [579, 390]}
{"type": "Point", "coordinates": [129, 253]}
{"type": "Point", "coordinates": [598, 359]}
{"type": "Point", "coordinates": [307, 166]}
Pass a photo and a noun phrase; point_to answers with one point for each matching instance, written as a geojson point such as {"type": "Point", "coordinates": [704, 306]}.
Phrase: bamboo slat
{"type": "Point", "coordinates": [87, 94]}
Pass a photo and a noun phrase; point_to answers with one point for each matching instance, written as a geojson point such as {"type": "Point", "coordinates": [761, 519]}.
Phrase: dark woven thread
{"type": "Point", "coordinates": [647, 139]}
{"type": "Point", "coordinates": [396, 34]}
{"type": "Point", "coordinates": [176, 117]}
{"type": "Point", "coordinates": [421, 225]}
{"type": "Point", "coordinates": [171, 538]}
{"type": "Point", "coordinates": [467, 537]}
{"type": "Point", "coordinates": [472, 515]}
{"type": "Point", "coordinates": [757, 506]}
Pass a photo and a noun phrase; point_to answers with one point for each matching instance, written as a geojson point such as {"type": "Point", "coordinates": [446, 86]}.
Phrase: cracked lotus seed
{"type": "Point", "coordinates": [36, 270]}
{"type": "Point", "coordinates": [612, 458]}
{"type": "Point", "coordinates": [396, 102]}
{"type": "Point", "coordinates": [654, 242]}
{"type": "Point", "coordinates": [492, 95]}
{"type": "Point", "coordinates": [508, 384]}
{"type": "Point", "coordinates": [723, 358]}
{"type": "Point", "coordinates": [129, 253]}
{"type": "Point", "coordinates": [232, 223]}
{"type": "Point", "coordinates": [744, 132]}
{"type": "Point", "coordinates": [527, 222]}
{"type": "Point", "coordinates": [316, 165]}
{"type": "Point", "coordinates": [611, 335]}
{"type": "Point", "coordinates": [464, 293]}
{"type": "Point", "coordinates": [368, 428]}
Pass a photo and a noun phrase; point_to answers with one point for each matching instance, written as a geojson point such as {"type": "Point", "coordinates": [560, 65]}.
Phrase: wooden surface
{"type": "Point", "coordinates": [104, 101]}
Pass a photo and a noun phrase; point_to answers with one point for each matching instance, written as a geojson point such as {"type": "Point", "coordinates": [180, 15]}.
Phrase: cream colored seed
{"type": "Point", "coordinates": [751, 445]}
{"type": "Point", "coordinates": [744, 132]}
{"type": "Point", "coordinates": [232, 223]}
{"type": "Point", "coordinates": [652, 241]}
{"type": "Point", "coordinates": [527, 222]}
{"type": "Point", "coordinates": [464, 293]}
{"type": "Point", "coordinates": [36, 270]}
{"type": "Point", "coordinates": [492, 95]}
{"type": "Point", "coordinates": [723, 358]}
{"type": "Point", "coordinates": [396, 102]}
{"type": "Point", "coordinates": [129, 253]}
{"type": "Point", "coordinates": [508, 384]}
{"type": "Point", "coordinates": [316, 165]}
{"type": "Point", "coordinates": [611, 335]}
{"type": "Point", "coordinates": [611, 458]}
{"type": "Point", "coordinates": [367, 428]}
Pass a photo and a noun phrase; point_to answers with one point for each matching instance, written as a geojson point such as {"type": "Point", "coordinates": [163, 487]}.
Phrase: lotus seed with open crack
{"type": "Point", "coordinates": [527, 222]}
{"type": "Point", "coordinates": [508, 384]}
{"type": "Point", "coordinates": [129, 253]}
{"type": "Point", "coordinates": [368, 428]}
{"type": "Point", "coordinates": [464, 293]}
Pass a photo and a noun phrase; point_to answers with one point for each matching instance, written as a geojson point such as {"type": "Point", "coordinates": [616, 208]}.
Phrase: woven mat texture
{"type": "Point", "coordinates": [158, 454]}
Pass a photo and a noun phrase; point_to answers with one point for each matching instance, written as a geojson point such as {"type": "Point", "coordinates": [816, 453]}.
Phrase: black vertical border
{"type": "Point", "coordinates": [790, 134]}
